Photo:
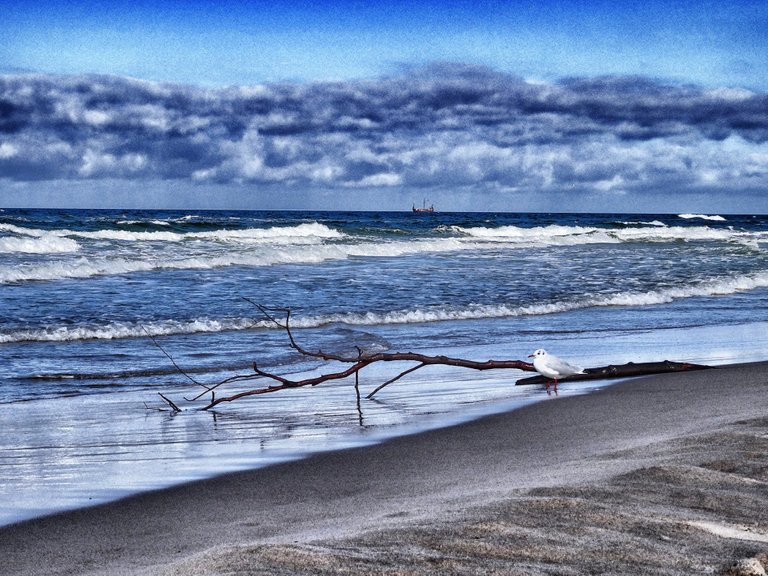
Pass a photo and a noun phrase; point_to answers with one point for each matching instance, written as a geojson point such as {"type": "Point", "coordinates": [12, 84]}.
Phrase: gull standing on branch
{"type": "Point", "coordinates": [552, 367]}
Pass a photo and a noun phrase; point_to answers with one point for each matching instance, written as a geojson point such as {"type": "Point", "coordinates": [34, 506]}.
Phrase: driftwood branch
{"type": "Point", "coordinates": [423, 360]}
{"type": "Point", "coordinates": [362, 359]}
{"type": "Point", "coordinates": [627, 370]}
{"type": "Point", "coordinates": [356, 364]}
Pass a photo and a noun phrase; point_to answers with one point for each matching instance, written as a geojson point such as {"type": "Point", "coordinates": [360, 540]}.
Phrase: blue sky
{"type": "Point", "coordinates": [226, 42]}
{"type": "Point", "coordinates": [611, 61]}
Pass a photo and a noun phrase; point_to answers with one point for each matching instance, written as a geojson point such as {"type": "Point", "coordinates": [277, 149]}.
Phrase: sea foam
{"type": "Point", "coordinates": [300, 231]}
{"type": "Point", "coordinates": [554, 235]}
{"type": "Point", "coordinates": [715, 217]}
{"type": "Point", "coordinates": [45, 244]}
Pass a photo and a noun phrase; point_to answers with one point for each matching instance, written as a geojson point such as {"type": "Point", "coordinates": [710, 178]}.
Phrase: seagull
{"type": "Point", "coordinates": [552, 367]}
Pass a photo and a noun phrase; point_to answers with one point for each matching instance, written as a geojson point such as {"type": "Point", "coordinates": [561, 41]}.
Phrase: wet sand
{"type": "Point", "coordinates": [660, 475]}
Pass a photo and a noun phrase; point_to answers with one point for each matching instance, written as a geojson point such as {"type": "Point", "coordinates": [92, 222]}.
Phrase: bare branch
{"type": "Point", "coordinates": [395, 379]}
{"type": "Point", "coordinates": [293, 343]}
{"type": "Point", "coordinates": [179, 368]}
{"type": "Point", "coordinates": [286, 383]}
{"type": "Point", "coordinates": [170, 403]}
{"type": "Point", "coordinates": [357, 398]}
{"type": "Point", "coordinates": [211, 388]}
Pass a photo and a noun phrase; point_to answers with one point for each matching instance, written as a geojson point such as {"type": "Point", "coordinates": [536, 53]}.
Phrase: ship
{"type": "Point", "coordinates": [424, 207]}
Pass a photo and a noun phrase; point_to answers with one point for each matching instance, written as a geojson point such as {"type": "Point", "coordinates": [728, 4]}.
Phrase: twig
{"type": "Point", "coordinates": [395, 379]}
{"type": "Point", "coordinates": [179, 368]}
{"type": "Point", "coordinates": [170, 403]}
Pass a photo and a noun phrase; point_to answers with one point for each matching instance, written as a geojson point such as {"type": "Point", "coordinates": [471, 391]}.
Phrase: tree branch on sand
{"type": "Point", "coordinates": [362, 359]}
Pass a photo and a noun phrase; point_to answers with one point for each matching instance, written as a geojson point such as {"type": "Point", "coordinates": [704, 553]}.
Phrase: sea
{"type": "Point", "coordinates": [101, 312]}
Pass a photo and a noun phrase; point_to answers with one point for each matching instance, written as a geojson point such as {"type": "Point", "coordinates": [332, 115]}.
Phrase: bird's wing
{"type": "Point", "coordinates": [562, 366]}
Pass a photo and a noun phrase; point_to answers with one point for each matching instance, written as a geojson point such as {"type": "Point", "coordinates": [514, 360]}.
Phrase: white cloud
{"type": "Point", "coordinates": [381, 180]}
{"type": "Point", "coordinates": [8, 150]}
{"type": "Point", "coordinates": [96, 117]}
{"type": "Point", "coordinates": [98, 163]}
{"type": "Point", "coordinates": [441, 127]}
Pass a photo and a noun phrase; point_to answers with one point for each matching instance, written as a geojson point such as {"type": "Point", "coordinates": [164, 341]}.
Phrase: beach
{"type": "Point", "coordinates": [659, 475]}
{"type": "Point", "coordinates": [96, 301]}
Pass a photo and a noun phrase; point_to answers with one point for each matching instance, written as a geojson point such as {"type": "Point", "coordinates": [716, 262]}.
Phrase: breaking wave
{"type": "Point", "coordinates": [308, 243]}
{"type": "Point", "coordinates": [578, 235]}
{"type": "Point", "coordinates": [715, 217]}
{"type": "Point", "coordinates": [642, 223]}
{"type": "Point", "coordinates": [45, 244]}
{"type": "Point", "coordinates": [120, 330]}
{"type": "Point", "coordinates": [276, 233]}
{"type": "Point", "coordinates": [717, 287]}
{"type": "Point", "coordinates": [713, 287]}
{"type": "Point", "coordinates": [266, 256]}
{"type": "Point", "coordinates": [143, 222]}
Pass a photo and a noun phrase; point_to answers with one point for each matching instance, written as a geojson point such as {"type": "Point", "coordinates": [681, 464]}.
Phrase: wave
{"type": "Point", "coordinates": [702, 217]}
{"type": "Point", "coordinates": [713, 287]}
{"type": "Point", "coordinates": [298, 233]}
{"type": "Point", "coordinates": [555, 235]}
{"type": "Point", "coordinates": [307, 244]}
{"type": "Point", "coordinates": [121, 330]}
{"type": "Point", "coordinates": [46, 244]}
{"type": "Point", "coordinates": [318, 234]}
{"type": "Point", "coordinates": [642, 223]}
{"type": "Point", "coordinates": [266, 256]}
{"type": "Point", "coordinates": [143, 222]}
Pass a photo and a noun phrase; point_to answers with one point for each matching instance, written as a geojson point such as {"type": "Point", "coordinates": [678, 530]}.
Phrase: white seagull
{"type": "Point", "coordinates": [552, 367]}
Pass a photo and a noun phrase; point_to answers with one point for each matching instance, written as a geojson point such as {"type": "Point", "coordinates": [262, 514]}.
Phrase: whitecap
{"type": "Point", "coordinates": [658, 223]}
{"type": "Point", "coordinates": [702, 217]}
{"type": "Point", "coordinates": [46, 244]}
{"type": "Point", "coordinates": [299, 233]}
{"type": "Point", "coordinates": [120, 330]}
{"type": "Point", "coordinates": [558, 235]}
{"type": "Point", "coordinates": [142, 222]}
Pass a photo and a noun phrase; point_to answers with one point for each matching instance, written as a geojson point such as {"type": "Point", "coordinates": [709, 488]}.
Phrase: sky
{"type": "Point", "coordinates": [484, 105]}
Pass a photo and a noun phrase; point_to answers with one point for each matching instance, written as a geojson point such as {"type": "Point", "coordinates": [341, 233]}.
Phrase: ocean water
{"type": "Point", "coordinates": [81, 292]}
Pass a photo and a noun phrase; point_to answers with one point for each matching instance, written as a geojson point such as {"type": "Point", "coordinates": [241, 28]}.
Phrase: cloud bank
{"type": "Point", "coordinates": [443, 127]}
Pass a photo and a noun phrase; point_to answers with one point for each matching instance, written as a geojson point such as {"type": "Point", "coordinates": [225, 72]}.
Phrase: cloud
{"type": "Point", "coordinates": [443, 126]}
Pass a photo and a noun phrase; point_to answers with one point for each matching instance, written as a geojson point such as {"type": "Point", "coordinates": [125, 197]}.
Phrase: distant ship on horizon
{"type": "Point", "coordinates": [424, 207]}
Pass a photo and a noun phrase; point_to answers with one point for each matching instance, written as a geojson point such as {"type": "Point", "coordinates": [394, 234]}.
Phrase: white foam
{"type": "Point", "coordinates": [46, 244]}
{"type": "Point", "coordinates": [702, 217]}
{"type": "Point", "coordinates": [121, 330]}
{"type": "Point", "coordinates": [143, 222]}
{"type": "Point", "coordinates": [557, 235]}
{"type": "Point", "coordinates": [642, 223]}
{"type": "Point", "coordinates": [22, 230]}
{"type": "Point", "coordinates": [298, 233]}
{"type": "Point", "coordinates": [553, 235]}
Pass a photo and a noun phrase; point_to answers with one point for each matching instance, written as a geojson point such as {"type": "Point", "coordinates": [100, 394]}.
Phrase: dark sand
{"type": "Point", "coordinates": [660, 475]}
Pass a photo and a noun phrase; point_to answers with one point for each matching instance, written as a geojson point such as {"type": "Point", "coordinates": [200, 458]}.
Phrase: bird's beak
{"type": "Point", "coordinates": [531, 355]}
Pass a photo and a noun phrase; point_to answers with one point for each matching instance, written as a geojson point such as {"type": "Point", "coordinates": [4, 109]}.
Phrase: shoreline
{"type": "Point", "coordinates": [451, 475]}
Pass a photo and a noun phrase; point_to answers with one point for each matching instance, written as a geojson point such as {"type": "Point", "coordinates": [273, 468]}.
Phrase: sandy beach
{"type": "Point", "coordinates": [659, 475]}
